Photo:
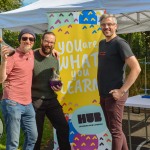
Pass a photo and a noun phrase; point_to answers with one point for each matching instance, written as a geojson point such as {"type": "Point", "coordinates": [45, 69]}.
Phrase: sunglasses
{"type": "Point", "coordinates": [26, 38]}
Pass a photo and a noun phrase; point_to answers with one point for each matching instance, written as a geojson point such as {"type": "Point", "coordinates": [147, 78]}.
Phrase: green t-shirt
{"type": "Point", "coordinates": [41, 75]}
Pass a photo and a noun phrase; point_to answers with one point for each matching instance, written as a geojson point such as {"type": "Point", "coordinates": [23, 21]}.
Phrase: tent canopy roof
{"type": "Point", "coordinates": [133, 15]}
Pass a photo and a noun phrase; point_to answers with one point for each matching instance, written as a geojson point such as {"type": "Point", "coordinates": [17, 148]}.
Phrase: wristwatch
{"type": "Point", "coordinates": [124, 92]}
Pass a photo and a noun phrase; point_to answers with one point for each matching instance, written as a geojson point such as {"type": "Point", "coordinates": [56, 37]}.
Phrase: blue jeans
{"type": "Point", "coordinates": [16, 116]}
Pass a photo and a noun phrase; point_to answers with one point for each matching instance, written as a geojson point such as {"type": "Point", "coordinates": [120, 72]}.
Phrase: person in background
{"type": "Point", "coordinates": [44, 96]}
{"type": "Point", "coordinates": [114, 54]}
{"type": "Point", "coordinates": [16, 75]}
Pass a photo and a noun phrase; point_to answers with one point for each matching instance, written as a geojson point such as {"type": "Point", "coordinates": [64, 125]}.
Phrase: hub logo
{"type": "Point", "coordinates": [89, 120]}
{"type": "Point", "coordinates": [90, 117]}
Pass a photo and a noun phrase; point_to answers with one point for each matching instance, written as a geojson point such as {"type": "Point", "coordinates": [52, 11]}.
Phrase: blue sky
{"type": "Point", "coordinates": [27, 2]}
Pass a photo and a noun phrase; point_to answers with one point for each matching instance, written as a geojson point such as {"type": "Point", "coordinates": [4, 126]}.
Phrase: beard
{"type": "Point", "coordinates": [47, 49]}
{"type": "Point", "coordinates": [27, 48]}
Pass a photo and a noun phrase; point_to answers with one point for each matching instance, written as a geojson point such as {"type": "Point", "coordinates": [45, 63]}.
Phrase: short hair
{"type": "Point", "coordinates": [48, 32]}
{"type": "Point", "coordinates": [104, 16]}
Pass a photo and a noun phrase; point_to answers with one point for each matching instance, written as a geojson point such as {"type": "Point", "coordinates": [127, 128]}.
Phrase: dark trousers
{"type": "Point", "coordinates": [53, 110]}
{"type": "Point", "coordinates": [113, 112]}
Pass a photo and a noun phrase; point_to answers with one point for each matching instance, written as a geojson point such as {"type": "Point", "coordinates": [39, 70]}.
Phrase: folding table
{"type": "Point", "coordinates": [138, 101]}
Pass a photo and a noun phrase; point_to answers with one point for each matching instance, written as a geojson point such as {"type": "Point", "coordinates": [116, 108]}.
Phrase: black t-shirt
{"type": "Point", "coordinates": [111, 64]}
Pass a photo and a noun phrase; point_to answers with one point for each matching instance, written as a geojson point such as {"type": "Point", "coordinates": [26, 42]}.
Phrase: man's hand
{"type": "Point", "coordinates": [56, 88]}
{"type": "Point", "coordinates": [4, 52]}
{"type": "Point", "coordinates": [55, 53]}
{"type": "Point", "coordinates": [117, 93]}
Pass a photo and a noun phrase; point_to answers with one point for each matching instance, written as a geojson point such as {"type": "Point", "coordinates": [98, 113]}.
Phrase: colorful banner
{"type": "Point", "coordinates": [77, 38]}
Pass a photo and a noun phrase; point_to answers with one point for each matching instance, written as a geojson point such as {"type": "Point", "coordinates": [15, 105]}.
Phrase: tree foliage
{"type": "Point", "coordinates": [139, 42]}
{"type": "Point", "coordinates": [6, 5]}
{"type": "Point", "coordinates": [10, 37]}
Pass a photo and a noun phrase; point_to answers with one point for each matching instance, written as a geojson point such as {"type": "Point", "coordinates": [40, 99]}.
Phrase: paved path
{"type": "Point", "coordinates": [138, 134]}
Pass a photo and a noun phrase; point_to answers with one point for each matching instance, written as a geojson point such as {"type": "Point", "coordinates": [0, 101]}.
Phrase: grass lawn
{"type": "Point", "coordinates": [47, 136]}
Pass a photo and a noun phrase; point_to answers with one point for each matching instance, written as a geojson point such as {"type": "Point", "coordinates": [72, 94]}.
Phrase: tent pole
{"type": "Point", "coordinates": [145, 77]}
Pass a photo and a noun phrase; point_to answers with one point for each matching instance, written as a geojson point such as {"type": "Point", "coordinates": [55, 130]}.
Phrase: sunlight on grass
{"type": "Point", "coordinates": [2, 147]}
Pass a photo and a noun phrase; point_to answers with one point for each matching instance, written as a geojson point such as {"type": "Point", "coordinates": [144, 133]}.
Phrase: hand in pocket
{"type": "Point", "coordinates": [37, 103]}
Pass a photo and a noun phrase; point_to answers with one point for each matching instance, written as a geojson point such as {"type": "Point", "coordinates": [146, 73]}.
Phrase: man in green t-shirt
{"type": "Point", "coordinates": [44, 96]}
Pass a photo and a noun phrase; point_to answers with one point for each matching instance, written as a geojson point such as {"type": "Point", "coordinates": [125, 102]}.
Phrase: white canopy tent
{"type": "Point", "coordinates": [133, 15]}
{"type": "Point", "coordinates": [134, 22]}
{"type": "Point", "coordinates": [34, 15]}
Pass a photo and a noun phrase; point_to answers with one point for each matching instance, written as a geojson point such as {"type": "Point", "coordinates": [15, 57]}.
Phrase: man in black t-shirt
{"type": "Point", "coordinates": [114, 54]}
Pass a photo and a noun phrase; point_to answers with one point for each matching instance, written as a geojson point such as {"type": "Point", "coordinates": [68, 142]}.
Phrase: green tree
{"type": "Point", "coordinates": [140, 44]}
{"type": "Point", "coordinates": [11, 38]}
{"type": "Point", "coordinates": [6, 5]}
